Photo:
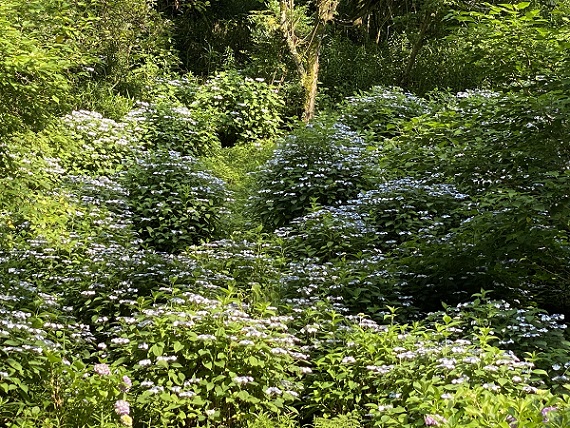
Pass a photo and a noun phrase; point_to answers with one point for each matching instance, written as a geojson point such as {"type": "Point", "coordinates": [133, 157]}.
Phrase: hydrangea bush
{"type": "Point", "coordinates": [88, 143]}
{"type": "Point", "coordinates": [325, 164]}
{"type": "Point", "coordinates": [166, 125]}
{"type": "Point", "coordinates": [198, 360]}
{"type": "Point", "coordinates": [121, 306]}
{"type": "Point", "coordinates": [174, 203]}
{"type": "Point", "coordinates": [381, 112]}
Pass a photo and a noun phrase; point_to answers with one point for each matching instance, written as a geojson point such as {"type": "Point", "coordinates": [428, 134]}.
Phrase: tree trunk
{"type": "Point", "coordinates": [424, 27]}
{"type": "Point", "coordinates": [307, 62]}
{"type": "Point", "coordinates": [310, 84]}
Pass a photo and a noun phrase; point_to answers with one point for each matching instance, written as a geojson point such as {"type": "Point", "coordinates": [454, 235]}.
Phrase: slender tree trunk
{"type": "Point", "coordinates": [310, 84]}
{"type": "Point", "coordinates": [416, 47]}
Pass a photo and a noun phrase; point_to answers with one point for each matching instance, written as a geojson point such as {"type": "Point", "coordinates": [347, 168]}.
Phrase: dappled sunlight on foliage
{"type": "Point", "coordinates": [176, 252]}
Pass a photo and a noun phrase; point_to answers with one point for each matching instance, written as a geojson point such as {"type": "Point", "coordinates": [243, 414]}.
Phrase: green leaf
{"type": "Point", "coordinates": [157, 349]}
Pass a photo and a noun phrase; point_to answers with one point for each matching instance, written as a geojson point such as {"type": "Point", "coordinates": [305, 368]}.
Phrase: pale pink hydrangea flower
{"type": "Point", "coordinates": [102, 369]}
{"type": "Point", "coordinates": [434, 420]}
{"type": "Point", "coordinates": [125, 384]}
{"type": "Point", "coordinates": [546, 411]}
{"type": "Point", "coordinates": [122, 407]}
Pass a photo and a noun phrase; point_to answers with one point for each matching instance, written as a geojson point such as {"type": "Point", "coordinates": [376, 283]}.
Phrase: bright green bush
{"type": "Point", "coordinates": [201, 361]}
{"type": "Point", "coordinates": [244, 110]}
{"type": "Point", "coordinates": [169, 126]}
{"type": "Point", "coordinates": [340, 421]}
{"type": "Point", "coordinates": [264, 421]}
{"type": "Point", "coordinates": [37, 337]}
{"type": "Point", "coordinates": [128, 46]}
{"type": "Point", "coordinates": [320, 163]}
{"type": "Point", "coordinates": [34, 80]}
{"type": "Point", "coordinates": [174, 203]}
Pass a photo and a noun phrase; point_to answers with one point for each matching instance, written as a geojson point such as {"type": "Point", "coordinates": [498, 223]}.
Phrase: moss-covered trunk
{"type": "Point", "coordinates": [305, 51]}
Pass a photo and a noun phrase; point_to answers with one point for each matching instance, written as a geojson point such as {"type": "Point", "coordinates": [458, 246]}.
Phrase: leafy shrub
{"type": "Point", "coordinates": [174, 88]}
{"type": "Point", "coordinates": [321, 163]}
{"type": "Point", "coordinates": [201, 360]}
{"type": "Point", "coordinates": [527, 331]}
{"type": "Point", "coordinates": [243, 109]}
{"type": "Point", "coordinates": [103, 98]}
{"type": "Point", "coordinates": [82, 395]}
{"type": "Point", "coordinates": [64, 213]}
{"type": "Point", "coordinates": [382, 218]}
{"type": "Point", "coordinates": [265, 421]}
{"type": "Point", "coordinates": [326, 233]}
{"type": "Point", "coordinates": [508, 244]}
{"type": "Point", "coordinates": [381, 111]}
{"type": "Point", "coordinates": [174, 203]}
{"type": "Point", "coordinates": [167, 126]}
{"type": "Point", "coordinates": [514, 236]}
{"type": "Point", "coordinates": [27, 166]}
{"type": "Point", "coordinates": [88, 143]}
{"type": "Point", "coordinates": [408, 376]}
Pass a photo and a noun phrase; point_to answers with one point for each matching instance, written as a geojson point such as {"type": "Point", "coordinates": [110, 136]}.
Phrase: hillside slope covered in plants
{"type": "Point", "coordinates": [178, 249]}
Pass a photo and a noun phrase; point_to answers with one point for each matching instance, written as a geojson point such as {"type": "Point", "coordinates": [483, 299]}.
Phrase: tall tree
{"type": "Point", "coordinates": [304, 43]}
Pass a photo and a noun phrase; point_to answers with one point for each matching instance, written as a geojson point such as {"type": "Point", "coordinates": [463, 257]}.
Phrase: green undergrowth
{"type": "Point", "coordinates": [402, 266]}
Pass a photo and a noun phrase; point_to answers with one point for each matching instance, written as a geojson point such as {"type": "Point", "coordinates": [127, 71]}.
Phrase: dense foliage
{"type": "Point", "coordinates": [177, 250]}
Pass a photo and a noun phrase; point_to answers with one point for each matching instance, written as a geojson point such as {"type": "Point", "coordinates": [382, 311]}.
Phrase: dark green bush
{"type": "Point", "coordinates": [404, 209]}
{"type": "Point", "coordinates": [174, 203]}
{"type": "Point", "coordinates": [327, 233]}
{"type": "Point", "coordinates": [365, 284]}
{"type": "Point", "coordinates": [381, 111]}
{"type": "Point", "coordinates": [348, 67]}
{"type": "Point", "coordinates": [320, 163]}
{"type": "Point", "coordinates": [481, 140]}
{"type": "Point", "coordinates": [508, 151]}
{"type": "Point", "coordinates": [509, 244]}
